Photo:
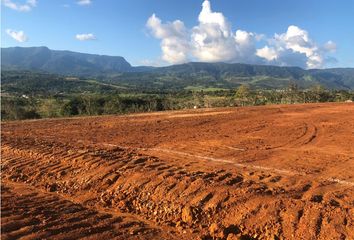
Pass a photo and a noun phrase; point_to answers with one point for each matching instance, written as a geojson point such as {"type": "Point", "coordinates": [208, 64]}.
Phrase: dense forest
{"type": "Point", "coordinates": [33, 95]}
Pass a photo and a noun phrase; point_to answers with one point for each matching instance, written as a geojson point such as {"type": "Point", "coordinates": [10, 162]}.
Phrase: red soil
{"type": "Point", "coordinates": [273, 172]}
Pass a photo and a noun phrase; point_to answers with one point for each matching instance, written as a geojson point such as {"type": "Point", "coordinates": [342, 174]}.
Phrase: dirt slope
{"type": "Point", "coordinates": [273, 172]}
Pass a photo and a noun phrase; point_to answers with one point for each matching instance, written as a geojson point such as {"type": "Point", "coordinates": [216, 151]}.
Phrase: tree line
{"type": "Point", "coordinates": [34, 107]}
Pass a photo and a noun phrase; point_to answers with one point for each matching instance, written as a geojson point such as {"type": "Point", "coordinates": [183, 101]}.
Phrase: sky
{"type": "Point", "coordinates": [304, 33]}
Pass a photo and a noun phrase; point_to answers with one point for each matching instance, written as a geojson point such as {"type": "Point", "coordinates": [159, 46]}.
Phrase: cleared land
{"type": "Point", "coordinates": [273, 172]}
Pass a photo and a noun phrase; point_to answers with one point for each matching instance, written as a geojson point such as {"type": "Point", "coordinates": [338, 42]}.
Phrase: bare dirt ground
{"type": "Point", "coordinates": [273, 172]}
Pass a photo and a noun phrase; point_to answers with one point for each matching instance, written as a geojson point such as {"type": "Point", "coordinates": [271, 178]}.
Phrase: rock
{"type": "Point", "coordinates": [213, 229]}
{"type": "Point", "coordinates": [178, 223]}
{"type": "Point", "coordinates": [187, 215]}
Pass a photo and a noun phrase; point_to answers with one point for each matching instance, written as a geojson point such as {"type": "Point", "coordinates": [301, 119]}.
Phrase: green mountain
{"type": "Point", "coordinates": [194, 75]}
{"type": "Point", "coordinates": [224, 75]}
{"type": "Point", "coordinates": [61, 62]}
{"type": "Point", "coordinates": [31, 83]}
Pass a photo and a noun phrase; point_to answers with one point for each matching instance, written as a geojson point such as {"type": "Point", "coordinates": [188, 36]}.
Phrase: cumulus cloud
{"type": "Point", "coordinates": [19, 36]}
{"type": "Point", "coordinates": [84, 2]}
{"type": "Point", "coordinates": [246, 46]}
{"type": "Point", "coordinates": [268, 53]}
{"type": "Point", "coordinates": [295, 47]}
{"type": "Point", "coordinates": [25, 7]}
{"type": "Point", "coordinates": [213, 40]}
{"type": "Point", "coordinates": [85, 36]}
{"type": "Point", "coordinates": [174, 39]}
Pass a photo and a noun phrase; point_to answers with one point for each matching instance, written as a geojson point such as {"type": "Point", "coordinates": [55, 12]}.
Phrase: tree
{"type": "Point", "coordinates": [199, 100]}
{"type": "Point", "coordinates": [243, 95]}
{"type": "Point", "coordinates": [93, 105]}
{"type": "Point", "coordinates": [319, 94]}
{"type": "Point", "coordinates": [292, 94]}
{"type": "Point", "coordinates": [113, 105]}
{"type": "Point", "coordinates": [74, 107]}
{"type": "Point", "coordinates": [18, 109]}
{"type": "Point", "coordinates": [50, 107]}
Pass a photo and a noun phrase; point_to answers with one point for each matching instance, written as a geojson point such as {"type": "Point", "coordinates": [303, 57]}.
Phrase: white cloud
{"type": "Point", "coordinates": [84, 2]}
{"type": "Point", "coordinates": [213, 40]}
{"type": "Point", "coordinates": [268, 53]}
{"type": "Point", "coordinates": [295, 47]}
{"type": "Point", "coordinates": [85, 37]}
{"type": "Point", "coordinates": [174, 43]}
{"type": "Point", "coordinates": [19, 36]}
{"type": "Point", "coordinates": [330, 46]}
{"type": "Point", "coordinates": [246, 46]}
{"type": "Point", "coordinates": [25, 7]}
{"type": "Point", "coordinates": [298, 41]}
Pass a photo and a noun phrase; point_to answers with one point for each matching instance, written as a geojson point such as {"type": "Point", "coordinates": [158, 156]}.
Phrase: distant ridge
{"type": "Point", "coordinates": [219, 75]}
{"type": "Point", "coordinates": [61, 62]}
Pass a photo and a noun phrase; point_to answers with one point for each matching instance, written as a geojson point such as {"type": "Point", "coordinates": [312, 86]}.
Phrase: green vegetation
{"type": "Point", "coordinates": [33, 95]}
{"type": "Point", "coordinates": [60, 62]}
{"type": "Point", "coordinates": [194, 76]}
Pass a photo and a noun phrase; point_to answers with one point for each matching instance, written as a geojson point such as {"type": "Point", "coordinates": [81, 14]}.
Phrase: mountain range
{"type": "Point", "coordinates": [116, 69]}
{"type": "Point", "coordinates": [60, 62]}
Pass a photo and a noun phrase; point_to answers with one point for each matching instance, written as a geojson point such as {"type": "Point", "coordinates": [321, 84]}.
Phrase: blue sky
{"type": "Point", "coordinates": [322, 33]}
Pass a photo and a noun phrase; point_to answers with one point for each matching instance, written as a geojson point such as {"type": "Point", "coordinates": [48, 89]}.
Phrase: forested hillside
{"type": "Point", "coordinates": [176, 77]}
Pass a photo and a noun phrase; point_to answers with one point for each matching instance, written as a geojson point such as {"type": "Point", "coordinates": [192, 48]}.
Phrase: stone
{"type": "Point", "coordinates": [187, 215]}
{"type": "Point", "coordinates": [213, 229]}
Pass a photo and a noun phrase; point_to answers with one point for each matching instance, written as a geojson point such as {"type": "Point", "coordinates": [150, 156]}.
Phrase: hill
{"type": "Point", "coordinates": [61, 62]}
{"type": "Point", "coordinates": [29, 83]}
{"type": "Point", "coordinates": [194, 75]}
{"type": "Point", "coordinates": [197, 75]}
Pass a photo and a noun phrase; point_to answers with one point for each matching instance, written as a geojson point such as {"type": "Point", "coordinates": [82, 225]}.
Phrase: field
{"type": "Point", "coordinates": [268, 172]}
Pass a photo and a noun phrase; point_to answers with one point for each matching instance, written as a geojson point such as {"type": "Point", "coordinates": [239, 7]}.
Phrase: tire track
{"type": "Point", "coordinates": [247, 166]}
{"type": "Point", "coordinates": [52, 217]}
{"type": "Point", "coordinates": [179, 192]}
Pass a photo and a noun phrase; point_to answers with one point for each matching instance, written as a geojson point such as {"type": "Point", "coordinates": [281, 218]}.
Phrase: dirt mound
{"type": "Point", "coordinates": [275, 172]}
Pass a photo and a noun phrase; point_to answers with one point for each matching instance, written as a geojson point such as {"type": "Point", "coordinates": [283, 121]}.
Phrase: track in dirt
{"type": "Point", "coordinates": [247, 166]}
{"type": "Point", "coordinates": [275, 172]}
{"type": "Point", "coordinates": [32, 214]}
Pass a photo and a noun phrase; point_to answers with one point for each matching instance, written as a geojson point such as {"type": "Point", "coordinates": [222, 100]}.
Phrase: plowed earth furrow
{"type": "Point", "coordinates": [186, 197]}
{"type": "Point", "coordinates": [56, 218]}
{"type": "Point", "coordinates": [205, 183]}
